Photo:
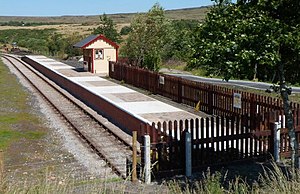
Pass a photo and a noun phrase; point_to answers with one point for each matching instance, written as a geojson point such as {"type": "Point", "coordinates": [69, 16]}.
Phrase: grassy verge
{"type": "Point", "coordinates": [273, 179]}
{"type": "Point", "coordinates": [16, 119]}
{"type": "Point", "coordinates": [182, 66]}
{"type": "Point", "coordinates": [63, 185]}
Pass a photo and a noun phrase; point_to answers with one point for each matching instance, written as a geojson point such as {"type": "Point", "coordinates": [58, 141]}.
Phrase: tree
{"type": "Point", "coordinates": [70, 41]}
{"type": "Point", "coordinates": [125, 30]}
{"type": "Point", "coordinates": [147, 39]}
{"type": "Point", "coordinates": [255, 40]}
{"type": "Point", "coordinates": [180, 40]}
{"type": "Point", "coordinates": [108, 29]}
{"type": "Point", "coordinates": [56, 45]}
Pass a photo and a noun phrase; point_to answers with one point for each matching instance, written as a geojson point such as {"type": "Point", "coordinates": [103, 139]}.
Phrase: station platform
{"type": "Point", "coordinates": [139, 105]}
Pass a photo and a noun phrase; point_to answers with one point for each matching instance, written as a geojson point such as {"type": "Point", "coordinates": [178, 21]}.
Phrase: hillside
{"type": "Point", "coordinates": [120, 18]}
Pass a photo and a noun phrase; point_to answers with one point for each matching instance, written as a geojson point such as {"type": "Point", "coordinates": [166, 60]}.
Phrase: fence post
{"type": "Point", "coordinates": [1, 166]}
{"type": "Point", "coordinates": [252, 112]}
{"type": "Point", "coordinates": [276, 135]}
{"type": "Point", "coordinates": [179, 92]}
{"type": "Point", "coordinates": [188, 154]}
{"type": "Point", "coordinates": [147, 159]}
{"type": "Point", "coordinates": [134, 156]}
{"type": "Point", "coordinates": [210, 100]}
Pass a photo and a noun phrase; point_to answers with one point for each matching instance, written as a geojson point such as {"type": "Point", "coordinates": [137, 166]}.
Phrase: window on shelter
{"type": "Point", "coordinates": [99, 54]}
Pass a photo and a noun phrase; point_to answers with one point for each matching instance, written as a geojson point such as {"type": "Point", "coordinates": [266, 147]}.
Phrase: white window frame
{"type": "Point", "coordinates": [99, 56]}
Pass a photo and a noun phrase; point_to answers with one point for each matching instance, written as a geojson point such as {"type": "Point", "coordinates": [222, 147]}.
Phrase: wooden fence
{"type": "Point", "coordinates": [265, 130]}
{"type": "Point", "coordinates": [215, 141]}
{"type": "Point", "coordinates": [214, 100]}
{"type": "Point", "coordinates": [235, 134]}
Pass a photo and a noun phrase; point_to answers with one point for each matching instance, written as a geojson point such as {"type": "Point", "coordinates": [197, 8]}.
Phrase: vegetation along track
{"type": "Point", "coordinates": [106, 143]}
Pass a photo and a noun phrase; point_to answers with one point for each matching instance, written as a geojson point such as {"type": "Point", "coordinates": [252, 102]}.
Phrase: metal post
{"type": "Point", "coordinates": [134, 156]}
{"type": "Point", "coordinates": [188, 154]}
{"type": "Point", "coordinates": [147, 159]}
{"type": "Point", "coordinates": [276, 141]}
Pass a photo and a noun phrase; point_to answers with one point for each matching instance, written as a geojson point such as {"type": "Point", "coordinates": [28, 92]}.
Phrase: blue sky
{"type": "Point", "coordinates": [88, 7]}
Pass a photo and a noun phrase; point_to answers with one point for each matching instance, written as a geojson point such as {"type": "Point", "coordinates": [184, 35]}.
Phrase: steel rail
{"type": "Point", "coordinates": [98, 151]}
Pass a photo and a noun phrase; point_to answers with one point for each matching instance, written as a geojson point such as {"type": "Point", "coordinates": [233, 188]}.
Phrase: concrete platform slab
{"type": "Point", "coordinates": [98, 83]}
{"type": "Point", "coordinates": [112, 98]}
{"type": "Point", "coordinates": [133, 97]}
{"type": "Point", "coordinates": [143, 107]}
{"type": "Point", "coordinates": [147, 107]}
{"type": "Point", "coordinates": [167, 116]}
{"type": "Point", "coordinates": [110, 89]}
{"type": "Point", "coordinates": [87, 78]}
{"type": "Point", "coordinates": [72, 73]}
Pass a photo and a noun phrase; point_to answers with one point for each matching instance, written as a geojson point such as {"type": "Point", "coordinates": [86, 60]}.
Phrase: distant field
{"type": "Point", "coordinates": [61, 28]}
{"type": "Point", "coordinates": [122, 18]}
{"type": "Point", "coordinates": [85, 24]}
{"type": "Point", "coordinates": [66, 29]}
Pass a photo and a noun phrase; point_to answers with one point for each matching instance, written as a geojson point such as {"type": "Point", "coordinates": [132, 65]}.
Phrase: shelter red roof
{"type": "Point", "coordinates": [93, 38]}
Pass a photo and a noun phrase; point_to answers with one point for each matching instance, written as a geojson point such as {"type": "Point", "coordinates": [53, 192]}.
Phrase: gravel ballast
{"type": "Point", "coordinates": [59, 154]}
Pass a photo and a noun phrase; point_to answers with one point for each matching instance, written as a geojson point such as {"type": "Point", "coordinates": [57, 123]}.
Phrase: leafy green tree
{"type": "Point", "coordinates": [180, 40]}
{"type": "Point", "coordinates": [242, 40]}
{"type": "Point", "coordinates": [70, 41]}
{"type": "Point", "coordinates": [149, 36]}
{"type": "Point", "coordinates": [125, 30]}
{"type": "Point", "coordinates": [255, 40]}
{"type": "Point", "coordinates": [56, 44]}
{"type": "Point", "coordinates": [34, 40]}
{"type": "Point", "coordinates": [108, 29]}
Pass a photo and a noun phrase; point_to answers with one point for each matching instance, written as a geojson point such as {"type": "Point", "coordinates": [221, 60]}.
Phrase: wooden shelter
{"type": "Point", "coordinates": [97, 52]}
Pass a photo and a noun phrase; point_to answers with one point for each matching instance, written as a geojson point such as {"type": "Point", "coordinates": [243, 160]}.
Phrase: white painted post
{"type": "Point", "coordinates": [188, 154]}
{"type": "Point", "coordinates": [282, 120]}
{"type": "Point", "coordinates": [276, 141]}
{"type": "Point", "coordinates": [147, 159]}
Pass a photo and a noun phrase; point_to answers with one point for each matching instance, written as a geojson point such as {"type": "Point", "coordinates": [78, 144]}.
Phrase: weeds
{"type": "Point", "coordinates": [278, 179]}
{"type": "Point", "coordinates": [274, 179]}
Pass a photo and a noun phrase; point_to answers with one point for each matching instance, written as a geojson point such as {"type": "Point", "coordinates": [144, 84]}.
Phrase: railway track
{"type": "Point", "coordinates": [108, 144]}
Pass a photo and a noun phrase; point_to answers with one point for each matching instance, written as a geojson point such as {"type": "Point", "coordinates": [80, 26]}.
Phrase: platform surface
{"type": "Point", "coordinates": [133, 102]}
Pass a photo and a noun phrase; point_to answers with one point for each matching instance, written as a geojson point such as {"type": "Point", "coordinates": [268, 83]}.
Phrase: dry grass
{"type": "Point", "coordinates": [120, 18]}
{"type": "Point", "coordinates": [84, 25]}
{"type": "Point", "coordinates": [274, 179]}
{"type": "Point", "coordinates": [65, 29]}
{"type": "Point", "coordinates": [62, 28]}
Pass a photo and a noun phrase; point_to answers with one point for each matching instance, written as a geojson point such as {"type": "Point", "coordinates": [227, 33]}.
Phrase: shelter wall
{"type": "Point", "coordinates": [101, 65]}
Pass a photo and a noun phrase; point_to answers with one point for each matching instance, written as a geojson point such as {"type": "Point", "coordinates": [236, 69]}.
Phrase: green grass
{"type": "Point", "coordinates": [174, 64]}
{"type": "Point", "coordinates": [199, 72]}
{"type": "Point", "coordinates": [182, 66]}
{"type": "Point", "coordinates": [8, 136]}
{"type": "Point", "coordinates": [16, 118]}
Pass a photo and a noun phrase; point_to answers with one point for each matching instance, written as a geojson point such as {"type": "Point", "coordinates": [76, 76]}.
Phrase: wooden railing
{"type": "Point", "coordinates": [231, 134]}
{"type": "Point", "coordinates": [214, 100]}
{"type": "Point", "coordinates": [215, 140]}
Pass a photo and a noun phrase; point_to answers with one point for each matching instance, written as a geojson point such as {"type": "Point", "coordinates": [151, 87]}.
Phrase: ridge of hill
{"type": "Point", "coordinates": [196, 13]}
